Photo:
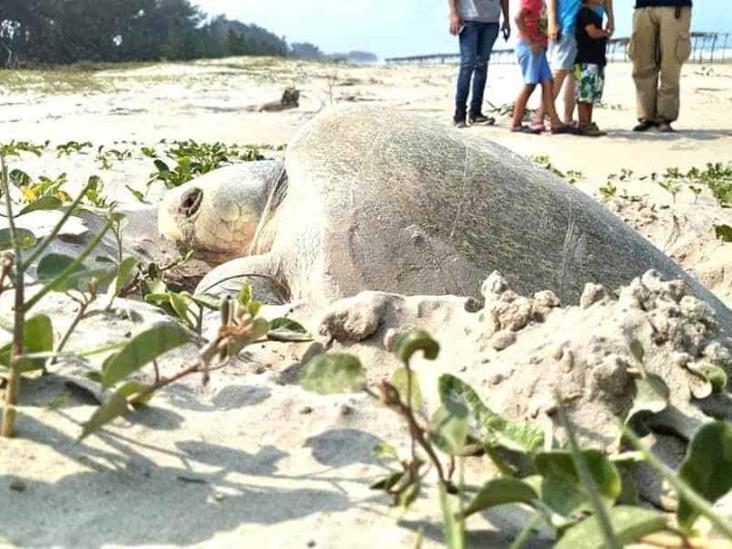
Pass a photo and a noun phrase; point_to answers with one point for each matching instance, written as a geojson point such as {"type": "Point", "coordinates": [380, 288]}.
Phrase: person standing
{"type": "Point", "coordinates": [659, 46]}
{"type": "Point", "coordinates": [562, 19]}
{"type": "Point", "coordinates": [476, 22]}
{"type": "Point", "coordinates": [590, 65]}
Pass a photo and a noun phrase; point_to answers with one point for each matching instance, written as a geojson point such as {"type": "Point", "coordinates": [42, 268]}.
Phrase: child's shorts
{"type": "Point", "coordinates": [590, 82]}
{"type": "Point", "coordinates": [534, 66]}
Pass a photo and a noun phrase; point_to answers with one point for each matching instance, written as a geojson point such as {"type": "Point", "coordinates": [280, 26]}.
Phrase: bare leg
{"type": "Point", "coordinates": [569, 98]}
{"type": "Point", "coordinates": [520, 106]}
{"type": "Point", "coordinates": [585, 114]}
{"type": "Point", "coordinates": [559, 77]}
{"type": "Point", "coordinates": [547, 97]}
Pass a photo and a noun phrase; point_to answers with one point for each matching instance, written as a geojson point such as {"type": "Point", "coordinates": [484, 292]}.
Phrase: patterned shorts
{"type": "Point", "coordinates": [590, 82]}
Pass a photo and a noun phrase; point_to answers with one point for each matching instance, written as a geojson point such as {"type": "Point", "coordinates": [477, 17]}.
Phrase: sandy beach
{"type": "Point", "coordinates": [252, 460]}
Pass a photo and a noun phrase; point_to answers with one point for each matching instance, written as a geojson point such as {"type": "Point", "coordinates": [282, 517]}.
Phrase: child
{"type": "Point", "coordinates": [589, 67]}
{"type": "Point", "coordinates": [531, 51]}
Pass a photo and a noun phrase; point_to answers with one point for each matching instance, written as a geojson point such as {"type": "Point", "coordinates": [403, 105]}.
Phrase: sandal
{"type": "Point", "coordinates": [563, 129]}
{"type": "Point", "coordinates": [538, 126]}
{"type": "Point", "coordinates": [525, 129]}
{"type": "Point", "coordinates": [590, 130]}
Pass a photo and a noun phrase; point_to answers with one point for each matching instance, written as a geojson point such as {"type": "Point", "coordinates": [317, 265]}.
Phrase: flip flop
{"type": "Point", "coordinates": [563, 129]}
{"type": "Point", "coordinates": [526, 129]}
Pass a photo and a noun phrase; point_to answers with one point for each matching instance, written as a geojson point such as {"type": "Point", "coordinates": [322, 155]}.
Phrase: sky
{"type": "Point", "coordinates": [391, 28]}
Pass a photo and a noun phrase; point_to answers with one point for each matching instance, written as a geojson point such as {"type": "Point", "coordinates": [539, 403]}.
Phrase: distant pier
{"type": "Point", "coordinates": [706, 47]}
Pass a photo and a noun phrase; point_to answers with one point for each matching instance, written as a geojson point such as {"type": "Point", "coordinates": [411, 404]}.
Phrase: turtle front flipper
{"type": "Point", "coordinates": [256, 271]}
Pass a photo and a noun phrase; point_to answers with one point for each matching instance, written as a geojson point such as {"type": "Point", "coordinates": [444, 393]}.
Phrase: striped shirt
{"type": "Point", "coordinates": [483, 11]}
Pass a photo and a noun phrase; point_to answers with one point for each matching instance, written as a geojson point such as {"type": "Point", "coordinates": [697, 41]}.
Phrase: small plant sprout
{"type": "Point", "coordinates": [697, 191]}
{"type": "Point", "coordinates": [672, 187]}
{"type": "Point", "coordinates": [608, 190]}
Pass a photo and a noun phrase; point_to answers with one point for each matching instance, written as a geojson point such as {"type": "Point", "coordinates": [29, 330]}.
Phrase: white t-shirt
{"type": "Point", "coordinates": [483, 11]}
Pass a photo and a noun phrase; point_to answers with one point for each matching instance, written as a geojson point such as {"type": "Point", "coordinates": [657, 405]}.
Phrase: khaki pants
{"type": "Point", "coordinates": [659, 46]}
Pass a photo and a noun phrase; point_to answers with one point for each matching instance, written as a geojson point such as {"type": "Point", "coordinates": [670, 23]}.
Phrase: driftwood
{"type": "Point", "coordinates": [290, 100]}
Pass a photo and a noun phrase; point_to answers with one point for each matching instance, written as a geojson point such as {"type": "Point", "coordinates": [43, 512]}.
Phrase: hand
{"type": "Point", "coordinates": [506, 29]}
{"type": "Point", "coordinates": [610, 29]}
{"type": "Point", "coordinates": [553, 31]}
{"type": "Point", "coordinates": [456, 23]}
{"type": "Point", "coordinates": [536, 47]}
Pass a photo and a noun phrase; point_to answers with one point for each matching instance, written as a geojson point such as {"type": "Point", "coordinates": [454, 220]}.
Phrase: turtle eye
{"type": "Point", "coordinates": [191, 202]}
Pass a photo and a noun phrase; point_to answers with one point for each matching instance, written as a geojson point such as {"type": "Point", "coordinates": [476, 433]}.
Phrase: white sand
{"type": "Point", "coordinates": [240, 463]}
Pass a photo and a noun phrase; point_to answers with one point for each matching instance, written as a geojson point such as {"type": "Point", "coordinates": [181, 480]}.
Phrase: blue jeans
{"type": "Point", "coordinates": [476, 44]}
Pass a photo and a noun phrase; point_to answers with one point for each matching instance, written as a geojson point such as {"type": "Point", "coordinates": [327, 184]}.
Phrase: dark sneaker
{"type": "Point", "coordinates": [590, 130]}
{"type": "Point", "coordinates": [645, 125]}
{"type": "Point", "coordinates": [459, 123]}
{"type": "Point", "coordinates": [481, 119]}
{"type": "Point", "coordinates": [665, 127]}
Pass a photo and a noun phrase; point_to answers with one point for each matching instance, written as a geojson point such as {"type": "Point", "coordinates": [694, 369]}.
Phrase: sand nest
{"type": "Point", "coordinates": [253, 456]}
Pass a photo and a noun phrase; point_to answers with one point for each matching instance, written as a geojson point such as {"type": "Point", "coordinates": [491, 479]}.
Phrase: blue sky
{"type": "Point", "coordinates": [398, 27]}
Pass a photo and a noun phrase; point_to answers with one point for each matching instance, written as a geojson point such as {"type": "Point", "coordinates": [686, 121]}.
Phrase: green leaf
{"type": "Point", "coordinates": [417, 340]}
{"type": "Point", "coordinates": [210, 302]}
{"type": "Point", "coordinates": [387, 483]}
{"type": "Point", "coordinates": [409, 495]}
{"type": "Point", "coordinates": [562, 498]}
{"type": "Point", "coordinates": [115, 406]}
{"type": "Point", "coordinates": [399, 381]}
{"type": "Point", "coordinates": [707, 468]}
{"type": "Point", "coordinates": [245, 295]}
{"type": "Point", "coordinates": [501, 491]}
{"type": "Point", "coordinates": [630, 524]}
{"type": "Point", "coordinates": [723, 232]}
{"type": "Point", "coordinates": [161, 166]}
{"type": "Point", "coordinates": [713, 376]}
{"type": "Point", "coordinates": [19, 178]}
{"type": "Point", "coordinates": [651, 397]}
{"type": "Point", "coordinates": [152, 284]}
{"type": "Point", "coordinates": [484, 424]}
{"type": "Point", "coordinates": [52, 265]}
{"type": "Point", "coordinates": [449, 429]}
{"type": "Point", "coordinates": [158, 299]}
{"type": "Point", "coordinates": [257, 331]}
{"type": "Point", "coordinates": [180, 303]}
{"type": "Point", "coordinates": [559, 465]}
{"type": "Point", "coordinates": [125, 274]}
{"type": "Point", "coordinates": [139, 196]}
{"type": "Point", "coordinates": [132, 391]}
{"type": "Point", "coordinates": [142, 349]}
{"type": "Point", "coordinates": [26, 239]}
{"type": "Point", "coordinates": [47, 202]}
{"type": "Point", "coordinates": [453, 523]}
{"type": "Point", "coordinates": [37, 338]}
{"type": "Point", "coordinates": [384, 450]}
{"type": "Point", "coordinates": [333, 373]}
{"type": "Point", "coordinates": [285, 329]}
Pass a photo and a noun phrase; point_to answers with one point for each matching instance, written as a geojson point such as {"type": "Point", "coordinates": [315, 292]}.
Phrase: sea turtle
{"type": "Point", "coordinates": [371, 198]}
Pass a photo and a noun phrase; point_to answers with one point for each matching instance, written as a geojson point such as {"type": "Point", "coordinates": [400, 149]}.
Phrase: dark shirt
{"type": "Point", "coordinates": [589, 50]}
{"type": "Point", "coordinates": [657, 3]}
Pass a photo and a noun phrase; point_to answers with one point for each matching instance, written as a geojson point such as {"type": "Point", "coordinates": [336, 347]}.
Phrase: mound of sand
{"type": "Point", "coordinates": [253, 456]}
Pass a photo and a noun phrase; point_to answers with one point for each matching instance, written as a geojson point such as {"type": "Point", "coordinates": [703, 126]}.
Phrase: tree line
{"type": "Point", "coordinates": [70, 31]}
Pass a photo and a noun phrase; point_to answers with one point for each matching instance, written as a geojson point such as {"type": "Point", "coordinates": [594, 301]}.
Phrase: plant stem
{"type": "Point", "coordinates": [392, 399]}
{"type": "Point", "coordinates": [80, 315]}
{"type": "Point", "coordinates": [525, 534]}
{"type": "Point", "coordinates": [54, 232]}
{"type": "Point", "coordinates": [583, 471]}
{"type": "Point", "coordinates": [16, 350]}
{"type": "Point", "coordinates": [409, 404]}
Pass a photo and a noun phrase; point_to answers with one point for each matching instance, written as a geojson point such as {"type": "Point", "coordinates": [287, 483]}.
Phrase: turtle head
{"type": "Point", "coordinates": [217, 215]}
